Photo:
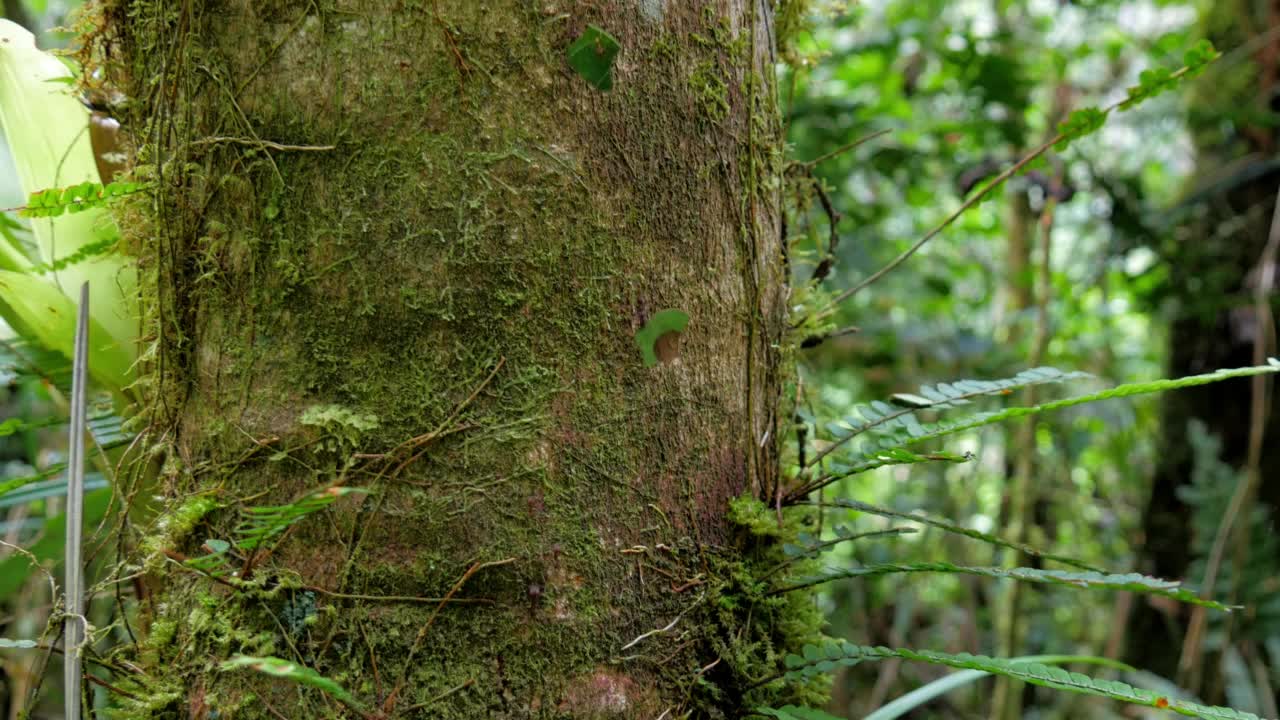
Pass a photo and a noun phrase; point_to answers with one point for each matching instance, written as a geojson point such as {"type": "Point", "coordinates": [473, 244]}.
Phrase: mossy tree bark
{"type": "Point", "coordinates": [404, 247]}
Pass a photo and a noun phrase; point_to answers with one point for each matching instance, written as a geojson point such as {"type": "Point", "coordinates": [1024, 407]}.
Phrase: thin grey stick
{"type": "Point", "coordinates": [74, 589]}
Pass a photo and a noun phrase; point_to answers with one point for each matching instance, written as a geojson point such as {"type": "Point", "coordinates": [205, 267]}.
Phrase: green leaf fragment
{"type": "Point", "coordinates": [300, 674]}
{"type": "Point", "coordinates": [18, 644]}
{"type": "Point", "coordinates": [592, 56]}
{"type": "Point", "coordinates": [663, 322]}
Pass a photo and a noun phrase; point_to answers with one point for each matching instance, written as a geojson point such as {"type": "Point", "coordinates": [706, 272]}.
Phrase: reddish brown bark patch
{"type": "Point", "coordinates": [605, 695]}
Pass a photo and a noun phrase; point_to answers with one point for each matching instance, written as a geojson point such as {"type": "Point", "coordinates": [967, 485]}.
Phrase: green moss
{"type": "Point", "coordinates": [710, 90]}
{"type": "Point", "coordinates": [471, 274]}
{"type": "Point", "coordinates": [173, 527]}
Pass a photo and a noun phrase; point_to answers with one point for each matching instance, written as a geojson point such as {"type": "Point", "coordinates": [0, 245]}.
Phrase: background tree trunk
{"type": "Point", "coordinates": [403, 246]}
{"type": "Point", "coordinates": [1213, 258]}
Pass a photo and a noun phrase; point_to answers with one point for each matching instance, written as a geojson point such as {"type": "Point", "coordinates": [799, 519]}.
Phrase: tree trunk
{"type": "Point", "coordinates": [1213, 260]}
{"type": "Point", "coordinates": [405, 247]}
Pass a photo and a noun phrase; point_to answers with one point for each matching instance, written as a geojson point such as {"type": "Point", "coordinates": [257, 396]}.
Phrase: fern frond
{"type": "Point", "coordinates": [879, 414]}
{"type": "Point", "coordinates": [899, 436]}
{"type": "Point", "coordinates": [77, 198]}
{"type": "Point", "coordinates": [813, 545]}
{"type": "Point", "coordinates": [816, 660]}
{"type": "Point", "coordinates": [263, 523]}
{"type": "Point", "coordinates": [36, 490]}
{"type": "Point", "coordinates": [947, 526]}
{"type": "Point", "coordinates": [24, 360]}
{"type": "Point", "coordinates": [1132, 582]}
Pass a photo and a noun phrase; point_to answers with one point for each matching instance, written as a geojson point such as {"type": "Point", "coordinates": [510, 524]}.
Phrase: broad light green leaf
{"type": "Point", "coordinates": [49, 317]}
{"type": "Point", "coordinates": [47, 130]}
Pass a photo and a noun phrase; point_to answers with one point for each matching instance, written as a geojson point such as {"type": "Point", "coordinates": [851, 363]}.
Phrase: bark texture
{"type": "Point", "coordinates": [402, 246]}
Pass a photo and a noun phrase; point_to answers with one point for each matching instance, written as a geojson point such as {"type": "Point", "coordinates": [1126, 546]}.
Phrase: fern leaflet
{"type": "Point", "coordinates": [1132, 582]}
{"type": "Point", "coordinates": [939, 397]}
{"type": "Point", "coordinates": [959, 530]}
{"type": "Point", "coordinates": [77, 198]}
{"type": "Point", "coordinates": [816, 660]}
{"type": "Point", "coordinates": [910, 434]}
{"type": "Point", "coordinates": [263, 523]}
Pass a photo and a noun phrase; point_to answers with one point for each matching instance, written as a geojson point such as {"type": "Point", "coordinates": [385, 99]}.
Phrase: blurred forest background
{"type": "Point", "coordinates": [1144, 250]}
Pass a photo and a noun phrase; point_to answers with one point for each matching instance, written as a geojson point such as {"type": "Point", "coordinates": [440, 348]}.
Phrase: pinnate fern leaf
{"type": "Point", "coordinates": [942, 396]}
{"type": "Point", "coordinates": [76, 198]}
{"type": "Point", "coordinates": [811, 545]}
{"type": "Point", "coordinates": [1132, 582]}
{"type": "Point", "coordinates": [820, 659]}
{"type": "Point", "coordinates": [953, 528]}
{"type": "Point", "coordinates": [905, 433]}
{"type": "Point", "coordinates": [260, 524]}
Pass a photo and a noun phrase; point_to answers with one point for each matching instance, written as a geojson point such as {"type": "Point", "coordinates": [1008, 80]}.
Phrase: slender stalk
{"type": "Point", "coordinates": [74, 586]}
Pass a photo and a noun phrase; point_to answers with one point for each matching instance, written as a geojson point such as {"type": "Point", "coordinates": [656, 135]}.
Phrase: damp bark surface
{"type": "Point", "coordinates": [404, 247]}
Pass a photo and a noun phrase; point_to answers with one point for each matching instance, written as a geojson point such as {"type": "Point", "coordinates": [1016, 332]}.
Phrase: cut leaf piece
{"type": "Point", "coordinates": [665, 321]}
{"type": "Point", "coordinates": [592, 55]}
{"type": "Point", "coordinates": [298, 673]}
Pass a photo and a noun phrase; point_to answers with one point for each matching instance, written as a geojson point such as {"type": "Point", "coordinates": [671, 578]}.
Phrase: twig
{"type": "Point", "coordinates": [441, 696]}
{"type": "Point", "coordinates": [99, 681]}
{"type": "Point", "coordinates": [397, 598]}
{"type": "Point", "coordinates": [263, 144]}
{"type": "Point", "coordinates": [846, 148]}
{"type": "Point", "coordinates": [73, 592]}
{"type": "Point", "coordinates": [833, 221]}
{"type": "Point", "coordinates": [964, 207]}
{"type": "Point", "coordinates": [670, 625]}
{"type": "Point", "coordinates": [422, 634]}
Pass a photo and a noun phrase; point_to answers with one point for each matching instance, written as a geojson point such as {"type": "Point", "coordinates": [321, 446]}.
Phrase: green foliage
{"type": "Point", "coordinates": [663, 322]}
{"type": "Point", "coordinates": [53, 202]}
{"type": "Point", "coordinates": [813, 545]}
{"type": "Point", "coordinates": [15, 569]}
{"type": "Point", "coordinates": [592, 55]}
{"type": "Point", "coordinates": [1151, 82]}
{"type": "Point", "coordinates": [950, 527]}
{"type": "Point", "coordinates": [947, 683]}
{"type": "Point", "coordinates": [828, 657]}
{"type": "Point", "coordinates": [1132, 582]}
{"type": "Point", "coordinates": [8, 644]}
{"type": "Point", "coordinates": [294, 672]}
{"type": "Point", "coordinates": [342, 426]}
{"type": "Point", "coordinates": [260, 524]}
{"type": "Point", "coordinates": [900, 428]}
{"type": "Point", "coordinates": [941, 396]}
